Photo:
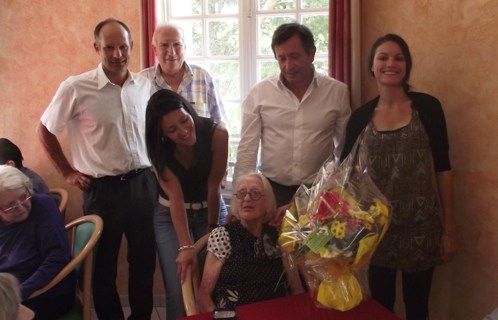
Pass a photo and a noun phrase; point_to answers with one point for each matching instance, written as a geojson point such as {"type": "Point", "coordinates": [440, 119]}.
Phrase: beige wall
{"type": "Point", "coordinates": [41, 44]}
{"type": "Point", "coordinates": [454, 50]}
{"type": "Point", "coordinates": [454, 47]}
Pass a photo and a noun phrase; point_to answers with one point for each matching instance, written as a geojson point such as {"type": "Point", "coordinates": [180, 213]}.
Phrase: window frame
{"type": "Point", "coordinates": [248, 17]}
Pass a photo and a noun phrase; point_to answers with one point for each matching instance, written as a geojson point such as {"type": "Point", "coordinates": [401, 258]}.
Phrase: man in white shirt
{"type": "Point", "coordinates": [104, 112]}
{"type": "Point", "coordinates": [298, 116]}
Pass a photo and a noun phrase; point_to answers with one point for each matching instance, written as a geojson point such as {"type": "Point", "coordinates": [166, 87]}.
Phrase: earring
{"type": "Point", "coordinates": [164, 139]}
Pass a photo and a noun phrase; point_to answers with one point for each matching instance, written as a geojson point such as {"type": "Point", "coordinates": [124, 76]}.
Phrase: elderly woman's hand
{"type": "Point", "coordinates": [185, 258]}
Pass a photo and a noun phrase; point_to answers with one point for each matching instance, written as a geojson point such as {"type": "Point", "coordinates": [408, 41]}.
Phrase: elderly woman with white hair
{"type": "Point", "coordinates": [243, 264]}
{"type": "Point", "coordinates": [10, 300]}
{"type": "Point", "coordinates": [34, 246]}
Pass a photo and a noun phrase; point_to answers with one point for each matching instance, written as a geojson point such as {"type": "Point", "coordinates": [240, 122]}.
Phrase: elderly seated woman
{"type": "Point", "coordinates": [243, 264]}
{"type": "Point", "coordinates": [34, 246]}
{"type": "Point", "coordinates": [10, 300]}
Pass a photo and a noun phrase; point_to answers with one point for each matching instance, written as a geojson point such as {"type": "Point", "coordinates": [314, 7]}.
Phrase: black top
{"type": "Point", "coordinates": [431, 115]}
{"type": "Point", "coordinates": [254, 269]}
{"type": "Point", "coordinates": [194, 180]}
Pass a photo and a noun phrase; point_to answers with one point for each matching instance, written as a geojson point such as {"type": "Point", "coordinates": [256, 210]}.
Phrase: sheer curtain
{"type": "Point", "coordinates": [148, 25]}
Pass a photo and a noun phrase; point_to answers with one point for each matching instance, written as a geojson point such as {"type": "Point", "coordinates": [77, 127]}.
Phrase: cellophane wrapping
{"type": "Point", "coordinates": [332, 229]}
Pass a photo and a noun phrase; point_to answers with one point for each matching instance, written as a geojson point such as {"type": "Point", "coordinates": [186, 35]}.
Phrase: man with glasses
{"type": "Point", "coordinates": [104, 111]}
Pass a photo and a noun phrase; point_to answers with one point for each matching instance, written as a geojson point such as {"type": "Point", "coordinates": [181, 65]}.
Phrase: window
{"type": "Point", "coordinates": [231, 39]}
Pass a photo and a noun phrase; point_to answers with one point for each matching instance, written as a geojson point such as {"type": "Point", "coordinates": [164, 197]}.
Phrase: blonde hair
{"type": "Point", "coordinates": [9, 297]}
{"type": "Point", "coordinates": [271, 205]}
{"type": "Point", "coordinates": [12, 178]}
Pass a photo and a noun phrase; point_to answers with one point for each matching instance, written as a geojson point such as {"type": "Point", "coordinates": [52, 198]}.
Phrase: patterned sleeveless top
{"type": "Point", "coordinates": [403, 169]}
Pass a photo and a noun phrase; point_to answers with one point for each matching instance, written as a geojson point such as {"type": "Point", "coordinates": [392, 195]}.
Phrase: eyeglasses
{"type": "Point", "coordinates": [24, 199]}
{"type": "Point", "coordinates": [254, 195]}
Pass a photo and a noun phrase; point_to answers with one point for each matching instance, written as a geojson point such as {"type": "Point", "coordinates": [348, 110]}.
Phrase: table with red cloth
{"type": "Point", "coordinates": [302, 307]}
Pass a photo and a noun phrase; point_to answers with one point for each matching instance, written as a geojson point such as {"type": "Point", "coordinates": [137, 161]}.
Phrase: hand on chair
{"type": "Point", "coordinates": [185, 258]}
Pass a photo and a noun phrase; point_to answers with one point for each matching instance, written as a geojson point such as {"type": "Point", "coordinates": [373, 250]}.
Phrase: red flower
{"type": "Point", "coordinates": [332, 206]}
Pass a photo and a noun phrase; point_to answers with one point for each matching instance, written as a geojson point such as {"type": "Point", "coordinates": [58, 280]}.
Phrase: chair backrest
{"type": "Point", "coordinates": [61, 198]}
{"type": "Point", "coordinates": [85, 233]}
{"type": "Point", "coordinates": [193, 279]}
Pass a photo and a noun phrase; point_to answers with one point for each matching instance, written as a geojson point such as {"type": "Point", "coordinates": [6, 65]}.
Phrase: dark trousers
{"type": "Point", "coordinates": [49, 308]}
{"type": "Point", "coordinates": [416, 289]}
{"type": "Point", "coordinates": [283, 194]}
{"type": "Point", "coordinates": [126, 207]}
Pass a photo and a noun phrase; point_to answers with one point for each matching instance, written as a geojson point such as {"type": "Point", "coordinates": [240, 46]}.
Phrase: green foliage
{"type": "Point", "coordinates": [267, 28]}
{"type": "Point", "coordinates": [223, 37]}
{"type": "Point", "coordinates": [319, 26]}
{"type": "Point", "coordinates": [217, 6]}
{"type": "Point", "coordinates": [267, 68]}
{"type": "Point", "coordinates": [276, 5]}
{"type": "Point", "coordinates": [227, 77]}
{"type": "Point", "coordinates": [306, 4]}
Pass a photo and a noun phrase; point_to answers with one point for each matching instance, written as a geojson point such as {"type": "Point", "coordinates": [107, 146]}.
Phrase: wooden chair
{"type": "Point", "coordinates": [61, 197]}
{"type": "Point", "coordinates": [85, 233]}
{"type": "Point", "coordinates": [193, 280]}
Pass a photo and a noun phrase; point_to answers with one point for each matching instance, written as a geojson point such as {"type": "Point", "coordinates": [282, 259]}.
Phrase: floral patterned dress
{"type": "Point", "coordinates": [252, 268]}
{"type": "Point", "coordinates": [402, 168]}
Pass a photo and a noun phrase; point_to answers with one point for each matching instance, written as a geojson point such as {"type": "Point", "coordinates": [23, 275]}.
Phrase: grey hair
{"type": "Point", "coordinates": [168, 24]}
{"type": "Point", "coordinates": [271, 204]}
{"type": "Point", "coordinates": [12, 178]}
{"type": "Point", "coordinates": [9, 297]}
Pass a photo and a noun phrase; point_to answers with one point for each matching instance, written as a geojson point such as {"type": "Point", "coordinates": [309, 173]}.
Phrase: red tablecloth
{"type": "Point", "coordinates": [302, 307]}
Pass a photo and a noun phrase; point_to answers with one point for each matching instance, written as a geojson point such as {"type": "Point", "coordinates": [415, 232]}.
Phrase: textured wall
{"type": "Point", "coordinates": [41, 44]}
{"type": "Point", "coordinates": [453, 44]}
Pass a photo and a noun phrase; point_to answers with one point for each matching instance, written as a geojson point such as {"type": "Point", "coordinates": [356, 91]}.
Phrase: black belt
{"type": "Point", "coordinates": [282, 186]}
{"type": "Point", "coordinates": [126, 176]}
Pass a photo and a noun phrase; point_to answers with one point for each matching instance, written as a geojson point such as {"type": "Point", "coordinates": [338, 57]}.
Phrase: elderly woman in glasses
{"type": "Point", "coordinates": [243, 264]}
{"type": "Point", "coordinates": [34, 246]}
{"type": "Point", "coordinates": [10, 300]}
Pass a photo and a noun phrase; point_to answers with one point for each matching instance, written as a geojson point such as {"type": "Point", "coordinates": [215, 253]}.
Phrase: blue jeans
{"type": "Point", "coordinates": [167, 246]}
{"type": "Point", "coordinates": [223, 212]}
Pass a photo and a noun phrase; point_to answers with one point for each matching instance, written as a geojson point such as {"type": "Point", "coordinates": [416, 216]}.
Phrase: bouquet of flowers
{"type": "Point", "coordinates": [333, 228]}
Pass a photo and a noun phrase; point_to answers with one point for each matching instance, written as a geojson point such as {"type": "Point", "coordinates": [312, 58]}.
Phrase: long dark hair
{"type": "Point", "coordinates": [404, 48]}
{"type": "Point", "coordinates": [160, 104]}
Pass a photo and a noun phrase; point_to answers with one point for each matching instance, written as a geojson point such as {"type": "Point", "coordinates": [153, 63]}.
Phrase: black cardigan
{"type": "Point", "coordinates": [431, 115]}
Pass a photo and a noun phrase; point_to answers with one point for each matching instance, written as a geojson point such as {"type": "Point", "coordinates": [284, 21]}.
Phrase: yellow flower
{"type": "Point", "coordinates": [338, 229]}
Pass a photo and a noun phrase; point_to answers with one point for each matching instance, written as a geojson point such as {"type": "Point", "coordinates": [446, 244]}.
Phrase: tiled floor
{"type": "Point", "coordinates": [158, 313]}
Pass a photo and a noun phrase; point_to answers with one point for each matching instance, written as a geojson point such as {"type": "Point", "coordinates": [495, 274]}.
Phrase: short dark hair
{"type": "Point", "coordinates": [96, 32]}
{"type": "Point", "coordinates": [161, 103]}
{"type": "Point", "coordinates": [9, 151]}
{"type": "Point", "coordinates": [390, 37]}
{"type": "Point", "coordinates": [286, 31]}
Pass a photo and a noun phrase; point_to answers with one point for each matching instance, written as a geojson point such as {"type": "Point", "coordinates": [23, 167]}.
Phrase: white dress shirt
{"type": "Point", "coordinates": [296, 136]}
{"type": "Point", "coordinates": [105, 122]}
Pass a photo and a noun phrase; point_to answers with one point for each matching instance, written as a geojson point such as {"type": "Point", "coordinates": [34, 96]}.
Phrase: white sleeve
{"type": "Point", "coordinates": [250, 135]}
{"type": "Point", "coordinates": [219, 244]}
{"type": "Point", "coordinates": [59, 112]}
{"type": "Point", "coordinates": [340, 124]}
